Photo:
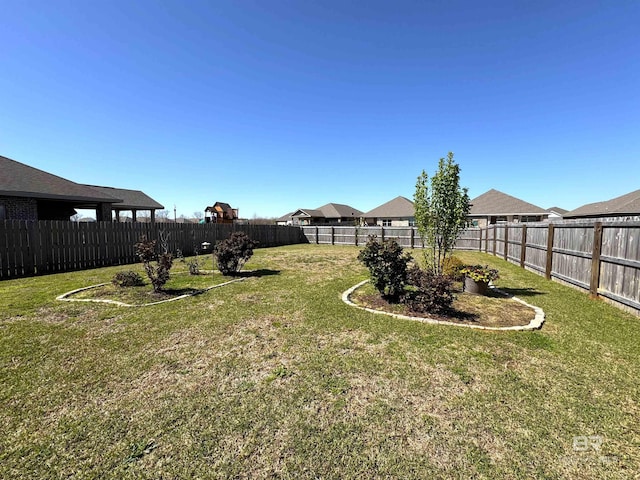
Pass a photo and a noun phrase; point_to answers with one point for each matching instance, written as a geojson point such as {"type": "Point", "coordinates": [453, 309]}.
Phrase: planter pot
{"type": "Point", "coordinates": [477, 288]}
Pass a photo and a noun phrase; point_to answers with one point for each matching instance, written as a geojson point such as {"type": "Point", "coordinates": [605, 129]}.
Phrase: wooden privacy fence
{"type": "Point", "coordinates": [602, 258]}
{"type": "Point", "coordinates": [42, 247]}
{"type": "Point", "coordinates": [405, 236]}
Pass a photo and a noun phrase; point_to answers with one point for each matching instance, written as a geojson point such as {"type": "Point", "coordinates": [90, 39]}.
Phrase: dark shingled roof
{"type": "Point", "coordinates": [285, 218]}
{"type": "Point", "coordinates": [131, 199]}
{"type": "Point", "coordinates": [628, 204]}
{"type": "Point", "coordinates": [399, 207]}
{"type": "Point", "coordinates": [495, 202]}
{"type": "Point", "coordinates": [330, 210]}
{"type": "Point", "coordinates": [20, 180]}
{"type": "Point", "coordinates": [338, 210]}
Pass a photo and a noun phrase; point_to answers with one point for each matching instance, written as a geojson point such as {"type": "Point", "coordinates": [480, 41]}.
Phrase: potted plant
{"type": "Point", "coordinates": [478, 277]}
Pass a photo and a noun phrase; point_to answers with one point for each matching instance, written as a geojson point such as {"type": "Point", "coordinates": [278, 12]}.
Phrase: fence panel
{"type": "Point", "coordinates": [470, 239]}
{"type": "Point", "coordinates": [28, 248]}
{"type": "Point", "coordinates": [620, 263]}
{"type": "Point", "coordinates": [602, 258]}
{"type": "Point", "coordinates": [536, 247]}
{"type": "Point", "coordinates": [572, 254]}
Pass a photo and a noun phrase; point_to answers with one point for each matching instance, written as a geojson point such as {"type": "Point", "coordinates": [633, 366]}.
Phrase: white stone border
{"type": "Point", "coordinates": [65, 296]}
{"type": "Point", "coordinates": [534, 324]}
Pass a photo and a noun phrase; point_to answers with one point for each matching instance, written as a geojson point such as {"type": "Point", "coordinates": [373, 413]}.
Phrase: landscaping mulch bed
{"type": "Point", "coordinates": [492, 310]}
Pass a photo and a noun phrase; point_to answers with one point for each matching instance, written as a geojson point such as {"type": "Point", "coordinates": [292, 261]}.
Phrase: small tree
{"type": "Point", "coordinates": [441, 210]}
{"type": "Point", "coordinates": [146, 252]}
{"type": "Point", "coordinates": [232, 253]}
{"type": "Point", "coordinates": [387, 264]}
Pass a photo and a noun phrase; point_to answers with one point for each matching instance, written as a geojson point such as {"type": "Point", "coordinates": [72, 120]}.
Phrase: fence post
{"type": "Point", "coordinates": [506, 242]}
{"type": "Point", "coordinates": [495, 239]}
{"type": "Point", "coordinates": [382, 233]}
{"type": "Point", "coordinates": [595, 260]}
{"type": "Point", "coordinates": [332, 235]}
{"type": "Point", "coordinates": [486, 240]}
{"type": "Point", "coordinates": [411, 236]}
{"type": "Point", "coordinates": [523, 247]}
{"type": "Point", "coordinates": [549, 267]}
{"type": "Point", "coordinates": [480, 240]}
{"type": "Point", "coordinates": [317, 238]}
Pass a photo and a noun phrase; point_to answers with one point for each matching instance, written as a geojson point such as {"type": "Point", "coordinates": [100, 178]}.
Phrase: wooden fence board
{"type": "Point", "coordinates": [28, 248]}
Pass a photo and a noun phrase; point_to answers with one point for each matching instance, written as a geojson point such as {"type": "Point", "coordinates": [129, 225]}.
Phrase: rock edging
{"type": "Point", "coordinates": [534, 324]}
{"type": "Point", "coordinates": [65, 296]}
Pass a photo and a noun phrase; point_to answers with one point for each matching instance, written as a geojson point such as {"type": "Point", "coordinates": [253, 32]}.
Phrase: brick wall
{"type": "Point", "coordinates": [19, 208]}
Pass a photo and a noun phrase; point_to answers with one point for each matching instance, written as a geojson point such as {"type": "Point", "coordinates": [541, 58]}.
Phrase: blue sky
{"type": "Point", "coordinates": [277, 105]}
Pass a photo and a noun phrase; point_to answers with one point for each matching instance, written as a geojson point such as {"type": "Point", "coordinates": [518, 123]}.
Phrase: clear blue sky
{"type": "Point", "coordinates": [277, 105]}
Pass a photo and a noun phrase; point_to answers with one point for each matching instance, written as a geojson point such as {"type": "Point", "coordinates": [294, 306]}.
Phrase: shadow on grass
{"type": "Point", "coordinates": [521, 292]}
{"type": "Point", "coordinates": [263, 272]}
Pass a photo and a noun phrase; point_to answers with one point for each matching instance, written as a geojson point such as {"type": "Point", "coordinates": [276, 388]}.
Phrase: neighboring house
{"type": "Point", "coordinates": [329, 214]}
{"type": "Point", "coordinates": [132, 201]}
{"type": "Point", "coordinates": [398, 212]}
{"type": "Point", "coordinates": [498, 207]}
{"type": "Point", "coordinates": [285, 219]}
{"type": "Point", "coordinates": [623, 208]}
{"type": "Point", "coordinates": [556, 213]}
{"type": "Point", "coordinates": [27, 193]}
{"type": "Point", "coordinates": [220, 212]}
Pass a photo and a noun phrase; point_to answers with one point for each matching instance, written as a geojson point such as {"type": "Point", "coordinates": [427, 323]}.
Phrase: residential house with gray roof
{"type": "Point", "coordinates": [623, 208]}
{"type": "Point", "coordinates": [497, 207]}
{"type": "Point", "coordinates": [27, 193]}
{"type": "Point", "coordinates": [329, 214]}
{"type": "Point", "coordinates": [398, 212]}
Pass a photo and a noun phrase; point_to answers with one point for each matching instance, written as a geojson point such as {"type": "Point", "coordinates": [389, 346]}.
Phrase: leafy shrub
{"type": "Point", "coordinates": [127, 278]}
{"type": "Point", "coordinates": [232, 253]}
{"type": "Point", "coordinates": [451, 267]}
{"type": "Point", "coordinates": [387, 264]}
{"type": "Point", "coordinates": [428, 292]}
{"type": "Point", "coordinates": [146, 252]}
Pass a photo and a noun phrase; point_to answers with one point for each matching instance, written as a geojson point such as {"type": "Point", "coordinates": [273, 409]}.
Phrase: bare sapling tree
{"type": "Point", "coordinates": [441, 210]}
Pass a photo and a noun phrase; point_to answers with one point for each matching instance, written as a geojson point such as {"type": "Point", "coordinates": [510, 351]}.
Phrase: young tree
{"type": "Point", "coordinates": [441, 209]}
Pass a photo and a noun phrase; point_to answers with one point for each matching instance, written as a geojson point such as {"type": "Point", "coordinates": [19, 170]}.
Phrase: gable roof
{"type": "Point", "coordinates": [399, 207]}
{"type": "Point", "coordinates": [307, 212]}
{"type": "Point", "coordinates": [559, 210]}
{"type": "Point", "coordinates": [131, 199]}
{"type": "Point", "coordinates": [495, 202]}
{"type": "Point", "coordinates": [286, 217]}
{"type": "Point", "coordinates": [20, 180]}
{"type": "Point", "coordinates": [338, 210]}
{"type": "Point", "coordinates": [330, 210]}
{"type": "Point", "coordinates": [628, 204]}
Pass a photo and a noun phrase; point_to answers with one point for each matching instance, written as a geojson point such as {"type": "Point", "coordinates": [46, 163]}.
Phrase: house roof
{"type": "Point", "coordinates": [131, 199]}
{"type": "Point", "coordinates": [330, 210]}
{"type": "Point", "coordinates": [307, 212]}
{"type": "Point", "coordinates": [628, 204]}
{"type": "Point", "coordinates": [559, 210]}
{"type": "Point", "coordinates": [286, 217]}
{"type": "Point", "coordinates": [338, 210]}
{"type": "Point", "coordinates": [20, 180]}
{"type": "Point", "coordinates": [399, 207]}
{"type": "Point", "coordinates": [495, 202]}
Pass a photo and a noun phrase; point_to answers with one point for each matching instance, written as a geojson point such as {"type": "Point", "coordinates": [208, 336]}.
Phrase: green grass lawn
{"type": "Point", "coordinates": [275, 377]}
